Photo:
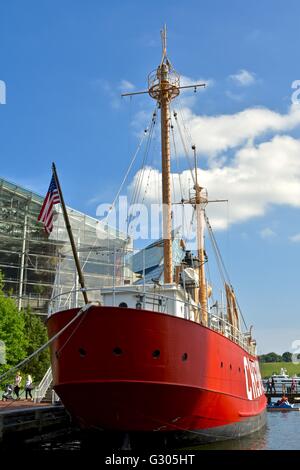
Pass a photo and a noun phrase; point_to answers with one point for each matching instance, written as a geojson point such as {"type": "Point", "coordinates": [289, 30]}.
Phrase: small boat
{"type": "Point", "coordinates": [283, 382]}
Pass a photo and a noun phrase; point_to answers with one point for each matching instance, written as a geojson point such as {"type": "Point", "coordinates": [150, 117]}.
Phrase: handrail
{"type": "Point", "coordinates": [41, 390]}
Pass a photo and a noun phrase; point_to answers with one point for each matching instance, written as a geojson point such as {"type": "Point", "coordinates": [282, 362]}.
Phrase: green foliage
{"type": "Point", "coordinates": [270, 357]}
{"type": "Point", "coordinates": [267, 369]}
{"type": "Point", "coordinates": [11, 331]}
{"type": "Point", "coordinates": [287, 356]}
{"type": "Point", "coordinates": [273, 357]}
{"type": "Point", "coordinates": [36, 335]}
{"type": "Point", "coordinates": [22, 333]}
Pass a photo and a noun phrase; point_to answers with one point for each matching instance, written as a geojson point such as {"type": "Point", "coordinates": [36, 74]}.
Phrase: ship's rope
{"type": "Point", "coordinates": [221, 265]}
{"type": "Point", "coordinates": [177, 159]}
{"type": "Point", "coordinates": [222, 268]}
{"type": "Point", "coordinates": [185, 127]}
{"type": "Point", "coordinates": [137, 187]}
{"type": "Point", "coordinates": [83, 310]}
{"type": "Point", "coordinates": [151, 166]}
{"type": "Point", "coordinates": [185, 223]}
{"type": "Point", "coordinates": [210, 283]}
{"type": "Point", "coordinates": [145, 133]}
{"type": "Point", "coordinates": [186, 153]}
{"type": "Point", "coordinates": [187, 133]}
{"type": "Point", "coordinates": [173, 143]}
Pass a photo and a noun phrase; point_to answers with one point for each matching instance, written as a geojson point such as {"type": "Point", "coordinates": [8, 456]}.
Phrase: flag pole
{"type": "Point", "coordinates": [69, 230]}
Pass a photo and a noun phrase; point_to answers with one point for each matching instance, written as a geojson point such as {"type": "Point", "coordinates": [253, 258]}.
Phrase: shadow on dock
{"type": "Point", "coordinates": [24, 422]}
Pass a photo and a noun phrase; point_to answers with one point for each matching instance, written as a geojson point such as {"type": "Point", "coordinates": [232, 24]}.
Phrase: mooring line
{"type": "Point", "coordinates": [44, 346]}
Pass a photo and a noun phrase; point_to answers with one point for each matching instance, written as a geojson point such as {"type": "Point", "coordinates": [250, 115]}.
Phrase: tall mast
{"type": "Point", "coordinates": [201, 201]}
{"type": "Point", "coordinates": [163, 87]}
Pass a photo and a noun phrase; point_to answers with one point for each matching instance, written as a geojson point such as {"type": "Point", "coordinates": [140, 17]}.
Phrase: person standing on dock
{"type": "Point", "coordinates": [18, 380]}
{"type": "Point", "coordinates": [294, 385]}
{"type": "Point", "coordinates": [269, 386]}
{"type": "Point", "coordinates": [273, 385]}
{"type": "Point", "coordinates": [28, 386]}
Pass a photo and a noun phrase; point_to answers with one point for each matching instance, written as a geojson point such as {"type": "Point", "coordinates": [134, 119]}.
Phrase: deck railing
{"type": "Point", "coordinates": [162, 303]}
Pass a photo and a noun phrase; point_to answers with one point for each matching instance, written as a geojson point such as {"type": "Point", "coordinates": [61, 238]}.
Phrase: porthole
{"type": "Point", "coordinates": [156, 354]}
{"type": "Point", "coordinates": [221, 365]}
{"type": "Point", "coordinates": [184, 357]}
{"type": "Point", "coordinates": [123, 305]}
{"type": "Point", "coordinates": [117, 351]}
{"type": "Point", "coordinates": [82, 352]}
{"type": "Point", "coordinates": [239, 369]}
{"type": "Point", "coordinates": [230, 367]}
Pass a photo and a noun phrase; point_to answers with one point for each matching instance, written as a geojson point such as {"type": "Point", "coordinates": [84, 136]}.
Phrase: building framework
{"type": "Point", "coordinates": [35, 266]}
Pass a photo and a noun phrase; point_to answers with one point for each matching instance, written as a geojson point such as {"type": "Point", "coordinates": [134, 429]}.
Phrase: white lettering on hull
{"type": "Point", "coordinates": [254, 387]}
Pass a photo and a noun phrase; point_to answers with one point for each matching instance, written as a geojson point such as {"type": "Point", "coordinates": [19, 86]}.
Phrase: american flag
{"type": "Point", "coordinates": [46, 214]}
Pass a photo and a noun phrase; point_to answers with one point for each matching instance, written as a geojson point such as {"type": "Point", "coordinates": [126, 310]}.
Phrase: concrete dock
{"type": "Point", "coordinates": [22, 421]}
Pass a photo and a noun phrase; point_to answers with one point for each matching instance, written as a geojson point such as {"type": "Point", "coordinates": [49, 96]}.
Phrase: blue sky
{"type": "Point", "coordinates": [65, 63]}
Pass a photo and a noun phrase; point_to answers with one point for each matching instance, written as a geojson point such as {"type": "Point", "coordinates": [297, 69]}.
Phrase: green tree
{"type": "Point", "coordinates": [36, 334]}
{"type": "Point", "coordinates": [11, 331]}
{"type": "Point", "coordinates": [22, 333]}
{"type": "Point", "coordinates": [270, 357]}
{"type": "Point", "coordinates": [287, 356]}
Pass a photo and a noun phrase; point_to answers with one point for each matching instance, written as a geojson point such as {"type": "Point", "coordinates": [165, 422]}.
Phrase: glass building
{"type": "Point", "coordinates": [37, 267]}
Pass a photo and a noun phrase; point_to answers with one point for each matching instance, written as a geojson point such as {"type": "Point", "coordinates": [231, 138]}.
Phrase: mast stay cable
{"type": "Point", "coordinates": [146, 132]}
{"type": "Point", "coordinates": [222, 268]}
{"type": "Point", "coordinates": [220, 262]}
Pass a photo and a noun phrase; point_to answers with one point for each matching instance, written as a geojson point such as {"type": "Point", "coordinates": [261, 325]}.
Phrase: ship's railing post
{"type": "Point", "coordinates": [144, 280]}
{"type": "Point", "coordinates": [114, 279]}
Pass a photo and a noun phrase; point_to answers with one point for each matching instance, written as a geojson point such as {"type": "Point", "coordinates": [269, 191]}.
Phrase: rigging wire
{"type": "Point", "coordinates": [225, 274]}
{"type": "Point", "coordinates": [184, 145]}
{"type": "Point", "coordinates": [220, 262]}
{"type": "Point", "coordinates": [145, 133]}
{"type": "Point", "coordinates": [151, 166]}
{"type": "Point", "coordinates": [129, 168]}
{"type": "Point", "coordinates": [176, 158]}
{"type": "Point", "coordinates": [186, 128]}
{"type": "Point", "coordinates": [83, 310]}
{"type": "Point", "coordinates": [137, 186]}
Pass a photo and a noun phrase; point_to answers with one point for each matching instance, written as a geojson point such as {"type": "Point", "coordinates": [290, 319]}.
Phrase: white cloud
{"type": "Point", "coordinates": [125, 86]}
{"type": "Point", "coordinates": [111, 91]}
{"type": "Point", "coordinates": [234, 96]}
{"type": "Point", "coordinates": [243, 78]}
{"type": "Point", "coordinates": [255, 175]}
{"type": "Point", "coordinates": [295, 238]}
{"type": "Point", "coordinates": [188, 97]}
{"type": "Point", "coordinates": [267, 233]}
{"type": "Point", "coordinates": [187, 81]}
{"type": "Point", "coordinates": [216, 134]}
{"type": "Point", "coordinates": [258, 176]}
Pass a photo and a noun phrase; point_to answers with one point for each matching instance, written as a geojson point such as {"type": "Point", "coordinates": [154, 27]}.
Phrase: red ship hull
{"type": "Point", "coordinates": [136, 370]}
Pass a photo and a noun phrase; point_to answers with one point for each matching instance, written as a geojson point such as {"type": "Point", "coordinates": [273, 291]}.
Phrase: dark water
{"type": "Point", "coordinates": [282, 432]}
